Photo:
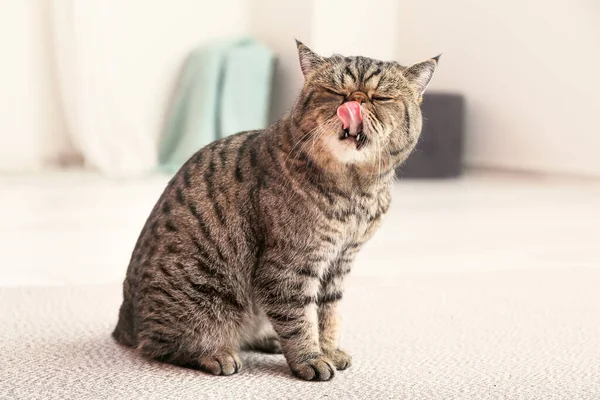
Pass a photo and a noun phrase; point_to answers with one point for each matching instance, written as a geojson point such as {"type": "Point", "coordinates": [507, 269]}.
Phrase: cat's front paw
{"type": "Point", "coordinates": [319, 368]}
{"type": "Point", "coordinates": [341, 360]}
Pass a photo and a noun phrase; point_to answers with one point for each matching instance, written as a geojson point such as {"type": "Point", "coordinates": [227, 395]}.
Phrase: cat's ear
{"type": "Point", "coordinates": [309, 60]}
{"type": "Point", "coordinates": [419, 75]}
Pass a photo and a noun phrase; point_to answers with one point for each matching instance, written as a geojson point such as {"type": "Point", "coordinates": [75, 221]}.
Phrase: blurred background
{"type": "Point", "coordinates": [101, 100]}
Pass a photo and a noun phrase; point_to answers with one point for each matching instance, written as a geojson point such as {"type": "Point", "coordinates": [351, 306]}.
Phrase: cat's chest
{"type": "Point", "coordinates": [353, 219]}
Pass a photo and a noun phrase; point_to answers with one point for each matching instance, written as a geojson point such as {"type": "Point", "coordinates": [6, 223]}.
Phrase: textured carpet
{"type": "Point", "coordinates": [495, 335]}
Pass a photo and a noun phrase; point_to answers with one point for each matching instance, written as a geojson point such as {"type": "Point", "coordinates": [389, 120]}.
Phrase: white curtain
{"type": "Point", "coordinates": [91, 80]}
{"type": "Point", "coordinates": [97, 119]}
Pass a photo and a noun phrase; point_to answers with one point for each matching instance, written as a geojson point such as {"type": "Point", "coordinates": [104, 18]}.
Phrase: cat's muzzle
{"type": "Point", "coordinates": [350, 114]}
{"type": "Point", "coordinates": [359, 138]}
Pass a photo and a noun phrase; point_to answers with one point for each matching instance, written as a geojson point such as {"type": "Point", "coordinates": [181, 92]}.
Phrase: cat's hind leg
{"type": "Point", "coordinates": [208, 340]}
{"type": "Point", "coordinates": [223, 362]}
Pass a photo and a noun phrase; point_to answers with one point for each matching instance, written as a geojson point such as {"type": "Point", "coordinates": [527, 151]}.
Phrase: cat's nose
{"type": "Point", "coordinates": [358, 96]}
{"type": "Point", "coordinates": [351, 116]}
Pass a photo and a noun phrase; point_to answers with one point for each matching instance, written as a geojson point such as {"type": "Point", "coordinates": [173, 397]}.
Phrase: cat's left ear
{"type": "Point", "coordinates": [309, 60]}
{"type": "Point", "coordinates": [419, 75]}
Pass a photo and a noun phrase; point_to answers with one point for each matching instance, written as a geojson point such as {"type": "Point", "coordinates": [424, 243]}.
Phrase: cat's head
{"type": "Point", "coordinates": [360, 110]}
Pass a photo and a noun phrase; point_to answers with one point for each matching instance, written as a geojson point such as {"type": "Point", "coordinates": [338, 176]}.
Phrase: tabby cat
{"type": "Point", "coordinates": [249, 244]}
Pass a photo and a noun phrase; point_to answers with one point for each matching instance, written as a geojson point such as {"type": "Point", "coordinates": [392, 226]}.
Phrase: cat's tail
{"type": "Point", "coordinates": [124, 332]}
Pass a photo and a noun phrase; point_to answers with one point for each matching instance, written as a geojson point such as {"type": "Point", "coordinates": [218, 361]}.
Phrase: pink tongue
{"type": "Point", "coordinates": [350, 115]}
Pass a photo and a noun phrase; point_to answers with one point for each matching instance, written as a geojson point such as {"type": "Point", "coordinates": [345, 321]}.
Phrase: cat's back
{"type": "Point", "coordinates": [205, 195]}
{"type": "Point", "coordinates": [200, 230]}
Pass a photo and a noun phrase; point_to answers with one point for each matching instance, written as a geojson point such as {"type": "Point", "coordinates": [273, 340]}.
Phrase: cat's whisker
{"type": "Point", "coordinates": [386, 144]}
{"type": "Point", "coordinates": [317, 133]}
{"type": "Point", "coordinates": [377, 133]}
{"type": "Point", "coordinates": [300, 141]}
{"type": "Point", "coordinates": [310, 141]}
{"type": "Point", "coordinates": [310, 136]}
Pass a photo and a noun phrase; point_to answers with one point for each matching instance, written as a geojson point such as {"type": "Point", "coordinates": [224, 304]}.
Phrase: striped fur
{"type": "Point", "coordinates": [249, 244]}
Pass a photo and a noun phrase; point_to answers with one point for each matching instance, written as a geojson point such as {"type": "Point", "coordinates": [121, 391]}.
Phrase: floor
{"type": "Point", "coordinates": [485, 287]}
{"type": "Point", "coordinates": [463, 336]}
{"type": "Point", "coordinates": [78, 228]}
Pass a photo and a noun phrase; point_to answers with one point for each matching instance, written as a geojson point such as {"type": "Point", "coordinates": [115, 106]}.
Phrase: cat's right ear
{"type": "Point", "coordinates": [309, 60]}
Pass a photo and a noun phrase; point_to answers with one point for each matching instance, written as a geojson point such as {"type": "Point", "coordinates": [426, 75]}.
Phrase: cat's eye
{"type": "Point", "coordinates": [382, 98]}
{"type": "Point", "coordinates": [334, 93]}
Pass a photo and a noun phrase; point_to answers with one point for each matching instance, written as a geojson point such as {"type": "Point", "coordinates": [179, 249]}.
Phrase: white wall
{"type": "Point", "coordinates": [351, 27]}
{"type": "Point", "coordinates": [528, 71]}
{"type": "Point", "coordinates": [277, 23]}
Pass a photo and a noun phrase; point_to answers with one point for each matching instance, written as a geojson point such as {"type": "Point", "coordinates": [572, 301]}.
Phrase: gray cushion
{"type": "Point", "coordinates": [439, 152]}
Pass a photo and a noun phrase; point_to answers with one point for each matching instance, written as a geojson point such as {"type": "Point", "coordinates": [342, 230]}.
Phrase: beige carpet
{"type": "Point", "coordinates": [494, 335]}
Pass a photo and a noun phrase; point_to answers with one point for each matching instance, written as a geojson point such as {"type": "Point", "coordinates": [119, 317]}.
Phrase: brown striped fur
{"type": "Point", "coordinates": [249, 244]}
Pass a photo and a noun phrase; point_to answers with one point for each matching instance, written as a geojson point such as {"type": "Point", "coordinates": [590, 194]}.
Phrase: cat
{"type": "Point", "coordinates": [249, 244]}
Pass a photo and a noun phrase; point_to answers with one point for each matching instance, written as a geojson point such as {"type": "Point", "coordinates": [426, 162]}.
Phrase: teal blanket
{"type": "Point", "coordinates": [224, 89]}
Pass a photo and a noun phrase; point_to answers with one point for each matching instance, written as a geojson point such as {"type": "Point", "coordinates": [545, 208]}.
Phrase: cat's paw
{"type": "Point", "coordinates": [221, 363]}
{"type": "Point", "coordinates": [341, 360]}
{"type": "Point", "coordinates": [319, 368]}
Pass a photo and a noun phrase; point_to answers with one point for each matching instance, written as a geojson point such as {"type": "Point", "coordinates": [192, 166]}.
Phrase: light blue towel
{"type": "Point", "coordinates": [225, 88]}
